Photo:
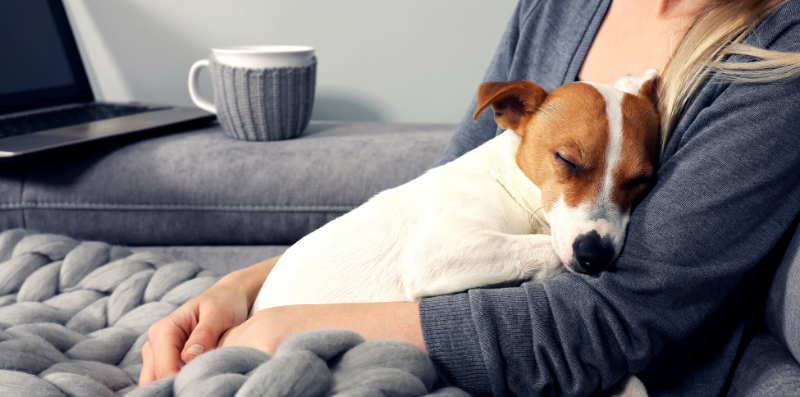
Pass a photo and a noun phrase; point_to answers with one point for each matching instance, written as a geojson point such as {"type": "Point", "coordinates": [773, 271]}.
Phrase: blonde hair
{"type": "Point", "coordinates": [716, 33]}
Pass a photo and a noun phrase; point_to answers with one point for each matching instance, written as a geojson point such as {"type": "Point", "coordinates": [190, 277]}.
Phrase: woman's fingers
{"type": "Point", "coordinates": [214, 320]}
{"type": "Point", "coordinates": [165, 340]}
{"type": "Point", "coordinates": [147, 375]}
{"type": "Point", "coordinates": [195, 327]}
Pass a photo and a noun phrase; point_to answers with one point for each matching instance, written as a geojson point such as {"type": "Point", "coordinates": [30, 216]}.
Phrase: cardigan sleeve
{"type": "Point", "coordinates": [728, 189]}
{"type": "Point", "coordinates": [470, 134]}
{"type": "Point", "coordinates": [543, 42]}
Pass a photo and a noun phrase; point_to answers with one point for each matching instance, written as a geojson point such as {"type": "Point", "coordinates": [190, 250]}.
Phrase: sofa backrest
{"type": "Point", "coordinates": [202, 188]}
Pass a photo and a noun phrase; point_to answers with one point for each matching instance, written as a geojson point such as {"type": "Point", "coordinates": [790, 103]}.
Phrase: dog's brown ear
{"type": "Point", "coordinates": [510, 100]}
{"type": "Point", "coordinates": [649, 90]}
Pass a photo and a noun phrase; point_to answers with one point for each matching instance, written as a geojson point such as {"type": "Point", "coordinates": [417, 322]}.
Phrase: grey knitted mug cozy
{"type": "Point", "coordinates": [264, 104]}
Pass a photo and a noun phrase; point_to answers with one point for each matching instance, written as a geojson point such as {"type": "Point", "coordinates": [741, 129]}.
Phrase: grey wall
{"type": "Point", "coordinates": [407, 60]}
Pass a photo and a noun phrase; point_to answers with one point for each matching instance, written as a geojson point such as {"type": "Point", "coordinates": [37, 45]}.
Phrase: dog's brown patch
{"type": "Point", "coordinates": [640, 126]}
{"type": "Point", "coordinates": [571, 123]}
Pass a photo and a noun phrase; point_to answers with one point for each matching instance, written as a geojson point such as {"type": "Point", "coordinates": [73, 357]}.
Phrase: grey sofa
{"type": "Point", "coordinates": [225, 204]}
{"type": "Point", "coordinates": [204, 197]}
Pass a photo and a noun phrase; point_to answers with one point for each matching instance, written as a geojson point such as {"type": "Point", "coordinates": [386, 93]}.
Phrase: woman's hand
{"type": "Point", "coordinates": [195, 327]}
{"type": "Point", "coordinates": [268, 328]}
{"type": "Point", "coordinates": [190, 330]}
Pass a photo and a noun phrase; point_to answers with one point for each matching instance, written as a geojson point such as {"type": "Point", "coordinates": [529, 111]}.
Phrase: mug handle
{"type": "Point", "coordinates": [194, 91]}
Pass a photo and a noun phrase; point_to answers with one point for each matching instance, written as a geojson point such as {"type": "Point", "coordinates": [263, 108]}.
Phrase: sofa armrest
{"type": "Point", "coordinates": [203, 188]}
{"type": "Point", "coordinates": [781, 316]}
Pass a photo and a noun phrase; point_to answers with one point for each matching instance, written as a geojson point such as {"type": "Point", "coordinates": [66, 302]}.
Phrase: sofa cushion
{"type": "Point", "coordinates": [765, 369]}
{"type": "Point", "coordinates": [203, 188]}
{"type": "Point", "coordinates": [11, 179]}
{"type": "Point", "coordinates": [221, 259]}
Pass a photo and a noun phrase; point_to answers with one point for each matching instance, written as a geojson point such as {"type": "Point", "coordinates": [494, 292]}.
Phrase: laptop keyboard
{"type": "Point", "coordinates": [65, 117]}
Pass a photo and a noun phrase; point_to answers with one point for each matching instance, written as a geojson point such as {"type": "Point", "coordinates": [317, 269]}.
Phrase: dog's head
{"type": "Point", "coordinates": [591, 149]}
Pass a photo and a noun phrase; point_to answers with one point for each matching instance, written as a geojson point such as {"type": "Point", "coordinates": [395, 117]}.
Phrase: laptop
{"type": "Point", "coordinates": [46, 101]}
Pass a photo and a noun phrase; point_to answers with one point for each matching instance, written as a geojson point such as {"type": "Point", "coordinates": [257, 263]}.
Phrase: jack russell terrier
{"type": "Point", "coordinates": [553, 191]}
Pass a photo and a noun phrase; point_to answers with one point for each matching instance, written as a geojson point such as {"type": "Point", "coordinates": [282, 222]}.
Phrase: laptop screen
{"type": "Point", "coordinates": [41, 65]}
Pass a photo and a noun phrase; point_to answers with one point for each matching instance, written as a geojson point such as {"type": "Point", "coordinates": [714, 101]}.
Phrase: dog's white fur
{"type": "Point", "coordinates": [466, 224]}
{"type": "Point", "coordinates": [476, 221]}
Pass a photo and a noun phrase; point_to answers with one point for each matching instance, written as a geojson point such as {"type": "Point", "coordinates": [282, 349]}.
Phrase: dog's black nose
{"type": "Point", "coordinates": [592, 252]}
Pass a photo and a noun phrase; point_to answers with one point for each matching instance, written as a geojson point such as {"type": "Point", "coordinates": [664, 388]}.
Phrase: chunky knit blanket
{"type": "Point", "coordinates": [74, 316]}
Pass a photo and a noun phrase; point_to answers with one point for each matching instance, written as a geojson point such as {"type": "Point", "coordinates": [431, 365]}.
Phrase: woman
{"type": "Point", "coordinates": [673, 308]}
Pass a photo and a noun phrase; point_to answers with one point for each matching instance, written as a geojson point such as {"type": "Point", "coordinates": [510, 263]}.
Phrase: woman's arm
{"type": "Point", "coordinates": [195, 327]}
{"type": "Point", "coordinates": [675, 303]}
{"type": "Point", "coordinates": [387, 320]}
{"type": "Point", "coordinates": [250, 279]}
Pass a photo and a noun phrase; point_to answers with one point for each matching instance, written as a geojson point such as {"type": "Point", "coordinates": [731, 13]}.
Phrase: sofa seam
{"type": "Point", "coordinates": [168, 207]}
{"type": "Point", "coordinates": [22, 197]}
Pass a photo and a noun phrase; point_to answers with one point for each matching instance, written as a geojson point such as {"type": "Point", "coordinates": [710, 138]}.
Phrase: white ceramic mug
{"type": "Point", "coordinates": [250, 57]}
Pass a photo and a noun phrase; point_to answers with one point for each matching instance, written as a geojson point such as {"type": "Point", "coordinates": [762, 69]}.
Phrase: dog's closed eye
{"type": "Point", "coordinates": [571, 166]}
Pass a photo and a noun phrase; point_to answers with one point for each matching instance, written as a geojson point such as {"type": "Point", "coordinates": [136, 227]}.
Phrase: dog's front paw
{"type": "Point", "coordinates": [546, 264]}
{"type": "Point", "coordinates": [629, 386]}
{"type": "Point", "coordinates": [546, 273]}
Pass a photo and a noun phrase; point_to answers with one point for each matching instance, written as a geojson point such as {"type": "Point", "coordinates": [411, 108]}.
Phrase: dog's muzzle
{"type": "Point", "coordinates": [592, 252]}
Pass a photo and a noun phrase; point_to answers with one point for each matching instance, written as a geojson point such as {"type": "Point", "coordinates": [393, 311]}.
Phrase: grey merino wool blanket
{"type": "Point", "coordinates": [74, 316]}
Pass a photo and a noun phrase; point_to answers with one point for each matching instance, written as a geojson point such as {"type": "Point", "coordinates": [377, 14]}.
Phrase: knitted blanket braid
{"type": "Point", "coordinates": [74, 316]}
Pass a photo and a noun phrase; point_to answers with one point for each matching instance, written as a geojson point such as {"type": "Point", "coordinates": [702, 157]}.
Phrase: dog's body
{"type": "Point", "coordinates": [552, 192]}
{"type": "Point", "coordinates": [481, 219]}
{"type": "Point", "coordinates": [425, 238]}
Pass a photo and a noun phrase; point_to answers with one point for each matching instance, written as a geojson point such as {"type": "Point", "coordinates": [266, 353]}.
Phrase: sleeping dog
{"type": "Point", "coordinates": [552, 192]}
